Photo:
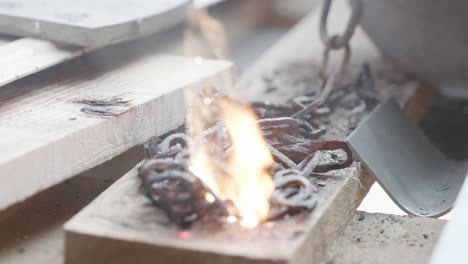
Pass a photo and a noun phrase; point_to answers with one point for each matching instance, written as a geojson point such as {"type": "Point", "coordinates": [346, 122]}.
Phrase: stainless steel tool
{"type": "Point", "coordinates": [418, 177]}
{"type": "Point", "coordinates": [427, 39]}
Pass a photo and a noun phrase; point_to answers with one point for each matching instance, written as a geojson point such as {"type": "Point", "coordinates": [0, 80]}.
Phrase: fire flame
{"type": "Point", "coordinates": [249, 162]}
{"type": "Point", "coordinates": [247, 184]}
{"type": "Point", "coordinates": [245, 180]}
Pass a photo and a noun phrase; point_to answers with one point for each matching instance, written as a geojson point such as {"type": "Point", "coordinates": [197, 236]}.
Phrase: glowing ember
{"type": "Point", "coordinates": [247, 184]}
{"type": "Point", "coordinates": [184, 234]}
{"type": "Point", "coordinates": [231, 219]}
{"type": "Point", "coordinates": [210, 198]}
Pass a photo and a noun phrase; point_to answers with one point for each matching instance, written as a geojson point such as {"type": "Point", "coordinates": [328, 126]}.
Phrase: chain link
{"type": "Point", "coordinates": [339, 41]}
{"type": "Point", "coordinates": [336, 42]}
{"type": "Point", "coordinates": [324, 73]}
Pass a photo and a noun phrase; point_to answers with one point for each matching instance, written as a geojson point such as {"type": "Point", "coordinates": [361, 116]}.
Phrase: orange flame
{"type": "Point", "coordinates": [249, 162]}
{"type": "Point", "coordinates": [244, 180]}
{"type": "Point", "coordinates": [247, 184]}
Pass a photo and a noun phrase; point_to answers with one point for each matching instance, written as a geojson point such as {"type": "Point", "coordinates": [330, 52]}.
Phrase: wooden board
{"type": "Point", "coordinates": [117, 226]}
{"type": "Point", "coordinates": [380, 238]}
{"type": "Point", "coordinates": [25, 56]}
{"type": "Point", "coordinates": [90, 23]}
{"type": "Point", "coordinates": [31, 231]}
{"type": "Point", "coordinates": [45, 137]}
{"type": "Point", "coordinates": [42, 240]}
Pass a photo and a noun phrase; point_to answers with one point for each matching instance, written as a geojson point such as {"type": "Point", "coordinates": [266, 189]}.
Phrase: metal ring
{"type": "Point", "coordinates": [344, 63]}
{"type": "Point", "coordinates": [340, 41]}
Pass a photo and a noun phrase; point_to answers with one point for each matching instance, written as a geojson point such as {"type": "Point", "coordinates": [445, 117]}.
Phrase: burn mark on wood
{"type": "Point", "coordinates": [98, 107]}
{"type": "Point", "coordinates": [97, 102]}
{"type": "Point", "coordinates": [104, 110]}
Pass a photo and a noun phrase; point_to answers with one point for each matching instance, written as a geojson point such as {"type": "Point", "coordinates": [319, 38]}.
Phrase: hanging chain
{"type": "Point", "coordinates": [334, 42]}
{"type": "Point", "coordinates": [337, 42]}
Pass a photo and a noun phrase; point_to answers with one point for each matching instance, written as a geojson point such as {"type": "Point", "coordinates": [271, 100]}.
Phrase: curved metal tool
{"type": "Point", "coordinates": [418, 177]}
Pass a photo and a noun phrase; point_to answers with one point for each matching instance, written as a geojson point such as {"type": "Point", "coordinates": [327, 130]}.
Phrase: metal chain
{"type": "Point", "coordinates": [324, 74]}
{"type": "Point", "coordinates": [339, 41]}
{"type": "Point", "coordinates": [334, 42]}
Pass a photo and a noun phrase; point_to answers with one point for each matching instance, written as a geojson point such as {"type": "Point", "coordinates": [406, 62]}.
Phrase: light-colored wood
{"type": "Point", "coordinates": [23, 241]}
{"type": "Point", "coordinates": [89, 23]}
{"type": "Point", "coordinates": [21, 57]}
{"type": "Point", "coordinates": [45, 138]}
{"type": "Point", "coordinates": [120, 225]}
{"type": "Point", "coordinates": [386, 239]}
{"type": "Point", "coordinates": [117, 226]}
{"type": "Point", "coordinates": [25, 56]}
{"type": "Point", "coordinates": [31, 231]}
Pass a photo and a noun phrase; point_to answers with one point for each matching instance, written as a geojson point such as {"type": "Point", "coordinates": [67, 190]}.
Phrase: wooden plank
{"type": "Point", "coordinates": [380, 238]}
{"type": "Point", "coordinates": [45, 137]}
{"type": "Point", "coordinates": [21, 57]}
{"type": "Point", "coordinates": [25, 56]}
{"type": "Point", "coordinates": [42, 240]}
{"type": "Point", "coordinates": [118, 226]}
{"type": "Point", "coordinates": [90, 23]}
{"type": "Point", "coordinates": [31, 231]}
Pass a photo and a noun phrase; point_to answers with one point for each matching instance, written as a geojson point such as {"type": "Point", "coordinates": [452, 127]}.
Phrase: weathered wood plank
{"type": "Point", "coordinates": [118, 226]}
{"type": "Point", "coordinates": [31, 231]}
{"type": "Point", "coordinates": [42, 240]}
{"type": "Point", "coordinates": [45, 137]}
{"type": "Point", "coordinates": [90, 23]}
{"type": "Point", "coordinates": [25, 56]}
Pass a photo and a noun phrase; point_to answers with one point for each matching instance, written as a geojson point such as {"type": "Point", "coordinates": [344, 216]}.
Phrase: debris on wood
{"type": "Point", "coordinates": [96, 102]}
{"type": "Point", "coordinates": [348, 100]}
{"type": "Point", "coordinates": [112, 107]}
{"type": "Point", "coordinates": [114, 110]}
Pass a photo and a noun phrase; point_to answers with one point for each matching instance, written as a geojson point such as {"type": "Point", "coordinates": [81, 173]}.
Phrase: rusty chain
{"type": "Point", "coordinates": [337, 42]}
{"type": "Point", "coordinates": [334, 42]}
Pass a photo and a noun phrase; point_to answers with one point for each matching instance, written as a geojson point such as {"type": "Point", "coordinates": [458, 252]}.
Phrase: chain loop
{"type": "Point", "coordinates": [344, 62]}
{"type": "Point", "coordinates": [335, 42]}
{"type": "Point", "coordinates": [339, 41]}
